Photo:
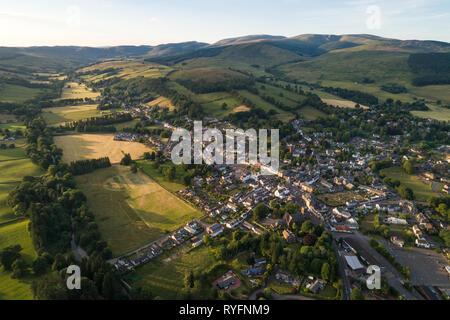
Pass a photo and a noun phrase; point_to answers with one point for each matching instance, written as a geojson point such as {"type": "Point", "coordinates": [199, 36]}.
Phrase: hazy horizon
{"type": "Point", "coordinates": [138, 22]}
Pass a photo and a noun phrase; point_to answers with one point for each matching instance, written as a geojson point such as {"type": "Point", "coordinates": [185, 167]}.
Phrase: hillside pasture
{"type": "Point", "coordinates": [421, 188]}
{"type": "Point", "coordinates": [266, 106]}
{"type": "Point", "coordinates": [212, 103]}
{"type": "Point", "coordinates": [286, 97]}
{"type": "Point", "coordinates": [207, 75]}
{"type": "Point", "coordinates": [93, 146]}
{"type": "Point", "coordinates": [16, 94]}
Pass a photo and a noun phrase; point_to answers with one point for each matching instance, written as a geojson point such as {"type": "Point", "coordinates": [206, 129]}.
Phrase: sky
{"type": "Point", "coordinates": [153, 22]}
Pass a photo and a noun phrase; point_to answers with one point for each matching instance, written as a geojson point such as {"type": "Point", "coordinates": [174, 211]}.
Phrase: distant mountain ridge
{"type": "Point", "coordinates": [264, 50]}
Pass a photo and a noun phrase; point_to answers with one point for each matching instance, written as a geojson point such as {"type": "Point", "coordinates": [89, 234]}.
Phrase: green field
{"type": "Point", "coordinates": [165, 279]}
{"type": "Point", "coordinates": [13, 126]}
{"type": "Point", "coordinates": [288, 98]}
{"type": "Point", "coordinates": [14, 166]}
{"type": "Point", "coordinates": [74, 90]}
{"type": "Point", "coordinates": [421, 188]}
{"type": "Point", "coordinates": [16, 94]}
{"type": "Point", "coordinates": [311, 113]}
{"type": "Point", "coordinates": [212, 103]}
{"type": "Point", "coordinates": [130, 209]}
{"type": "Point", "coordinates": [164, 276]}
{"type": "Point", "coordinates": [438, 113]}
{"type": "Point", "coordinates": [16, 289]}
{"type": "Point", "coordinates": [266, 106]}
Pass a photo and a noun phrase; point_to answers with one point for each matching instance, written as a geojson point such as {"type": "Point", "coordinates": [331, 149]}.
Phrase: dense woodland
{"type": "Point", "coordinates": [430, 68]}
{"type": "Point", "coordinates": [98, 124]}
{"type": "Point", "coordinates": [86, 166]}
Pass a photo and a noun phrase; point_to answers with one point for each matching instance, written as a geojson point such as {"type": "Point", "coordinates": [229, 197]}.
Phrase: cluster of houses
{"type": "Point", "coordinates": [257, 269]}
{"type": "Point", "coordinates": [144, 255]}
{"type": "Point", "coordinates": [126, 136]}
{"type": "Point", "coordinates": [284, 277]}
{"type": "Point", "coordinates": [420, 241]}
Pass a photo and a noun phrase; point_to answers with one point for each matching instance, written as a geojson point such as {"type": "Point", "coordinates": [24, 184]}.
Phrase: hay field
{"type": "Point", "coordinates": [342, 103]}
{"type": "Point", "coordinates": [93, 146]}
{"type": "Point", "coordinates": [163, 103]}
{"type": "Point", "coordinates": [125, 69]}
{"type": "Point", "coordinates": [131, 209]}
{"type": "Point", "coordinates": [74, 90]}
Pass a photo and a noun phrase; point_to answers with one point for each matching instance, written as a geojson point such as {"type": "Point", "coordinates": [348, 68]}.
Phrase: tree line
{"type": "Point", "coordinates": [87, 166]}
{"type": "Point", "coordinates": [96, 124]}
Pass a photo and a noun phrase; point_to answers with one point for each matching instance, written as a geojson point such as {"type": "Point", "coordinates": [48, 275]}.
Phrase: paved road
{"type": "Point", "coordinates": [391, 274]}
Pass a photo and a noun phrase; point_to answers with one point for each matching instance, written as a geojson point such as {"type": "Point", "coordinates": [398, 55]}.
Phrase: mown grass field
{"type": "Point", "coordinates": [131, 209]}
{"type": "Point", "coordinates": [14, 93]}
{"type": "Point", "coordinates": [421, 188]}
{"type": "Point", "coordinates": [74, 90]}
{"type": "Point", "coordinates": [16, 289]}
{"type": "Point", "coordinates": [93, 146]}
{"type": "Point", "coordinates": [59, 115]}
